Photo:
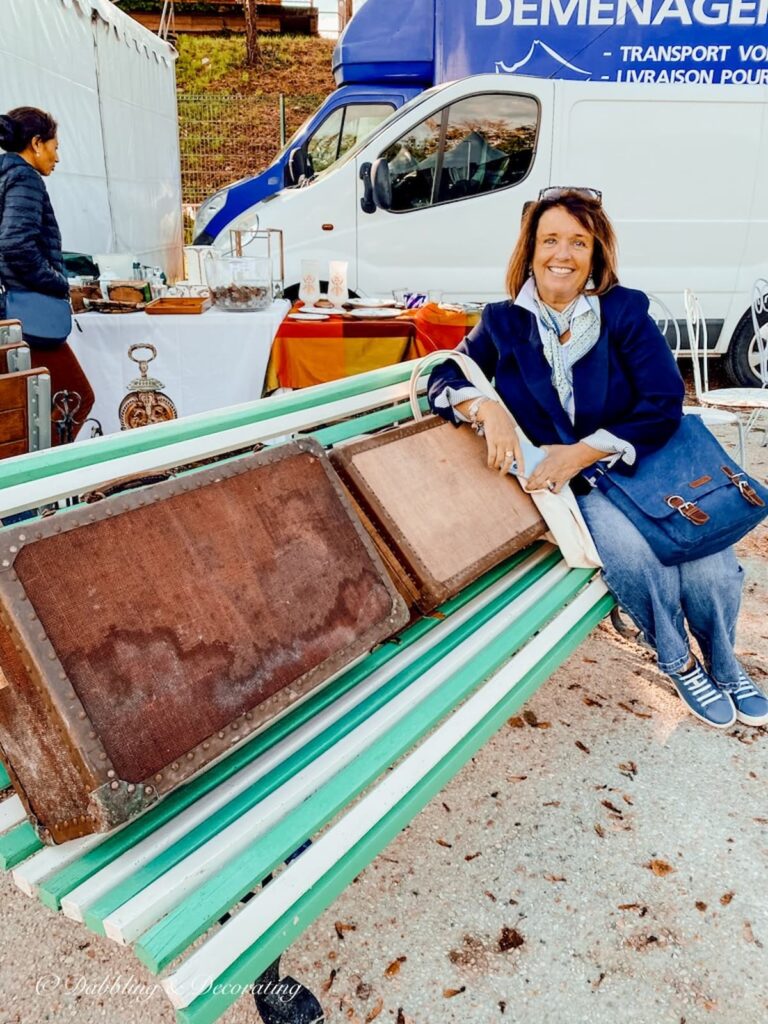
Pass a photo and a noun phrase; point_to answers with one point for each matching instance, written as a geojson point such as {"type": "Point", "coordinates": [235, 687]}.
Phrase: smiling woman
{"type": "Point", "coordinates": [584, 371]}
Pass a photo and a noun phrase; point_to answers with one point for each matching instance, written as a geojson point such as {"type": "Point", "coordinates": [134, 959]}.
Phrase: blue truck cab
{"type": "Point", "coordinates": [384, 58]}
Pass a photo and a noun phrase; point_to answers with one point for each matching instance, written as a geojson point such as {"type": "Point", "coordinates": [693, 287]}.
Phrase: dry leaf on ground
{"type": "Point", "coordinates": [660, 868]}
{"type": "Point", "coordinates": [394, 967]}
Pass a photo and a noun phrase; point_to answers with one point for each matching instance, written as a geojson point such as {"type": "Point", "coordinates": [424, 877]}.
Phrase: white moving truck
{"type": "Point", "coordinates": [433, 199]}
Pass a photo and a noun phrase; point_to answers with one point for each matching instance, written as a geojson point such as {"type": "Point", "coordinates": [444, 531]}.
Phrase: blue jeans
{"type": "Point", "coordinates": [660, 598]}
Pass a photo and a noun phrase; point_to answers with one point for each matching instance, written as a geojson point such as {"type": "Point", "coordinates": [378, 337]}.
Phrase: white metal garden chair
{"type": "Point", "coordinates": [759, 309]}
{"type": "Point", "coordinates": [743, 399]}
{"type": "Point", "coordinates": [711, 417]}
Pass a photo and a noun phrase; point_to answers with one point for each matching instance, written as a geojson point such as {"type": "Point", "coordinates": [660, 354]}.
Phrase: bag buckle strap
{"type": "Point", "coordinates": [746, 490]}
{"type": "Point", "coordinates": [688, 509]}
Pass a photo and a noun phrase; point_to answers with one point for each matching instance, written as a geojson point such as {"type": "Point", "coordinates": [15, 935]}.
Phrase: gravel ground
{"type": "Point", "coordinates": [602, 859]}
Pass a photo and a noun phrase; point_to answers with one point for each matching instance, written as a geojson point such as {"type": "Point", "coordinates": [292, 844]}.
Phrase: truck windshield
{"type": "Point", "coordinates": [363, 140]}
{"type": "Point", "coordinates": [343, 129]}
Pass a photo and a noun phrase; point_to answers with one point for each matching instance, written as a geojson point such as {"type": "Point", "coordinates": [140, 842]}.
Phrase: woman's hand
{"type": "Point", "coordinates": [562, 463]}
{"type": "Point", "coordinates": [501, 439]}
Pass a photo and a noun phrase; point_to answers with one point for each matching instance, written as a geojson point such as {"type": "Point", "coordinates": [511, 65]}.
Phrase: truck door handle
{"type": "Point", "coordinates": [367, 204]}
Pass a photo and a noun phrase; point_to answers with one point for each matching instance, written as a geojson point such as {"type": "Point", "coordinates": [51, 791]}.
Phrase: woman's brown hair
{"type": "Point", "coordinates": [592, 217]}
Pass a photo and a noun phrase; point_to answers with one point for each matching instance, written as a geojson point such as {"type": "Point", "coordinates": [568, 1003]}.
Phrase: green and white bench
{"type": "Point", "coordinates": [348, 768]}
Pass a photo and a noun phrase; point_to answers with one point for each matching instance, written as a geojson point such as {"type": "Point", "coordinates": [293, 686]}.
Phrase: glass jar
{"type": "Point", "coordinates": [239, 283]}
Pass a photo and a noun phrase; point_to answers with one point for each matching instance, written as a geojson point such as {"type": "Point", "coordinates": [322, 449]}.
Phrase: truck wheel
{"type": "Point", "coordinates": [741, 362]}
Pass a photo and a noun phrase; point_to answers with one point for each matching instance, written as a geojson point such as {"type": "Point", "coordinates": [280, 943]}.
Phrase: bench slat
{"type": "Point", "coordinates": [239, 951]}
{"type": "Point", "coordinates": [11, 813]}
{"type": "Point", "coordinates": [18, 844]}
{"type": "Point", "coordinates": [4, 780]}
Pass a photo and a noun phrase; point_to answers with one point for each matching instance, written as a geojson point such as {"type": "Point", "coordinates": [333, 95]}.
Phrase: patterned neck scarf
{"type": "Point", "coordinates": [582, 318]}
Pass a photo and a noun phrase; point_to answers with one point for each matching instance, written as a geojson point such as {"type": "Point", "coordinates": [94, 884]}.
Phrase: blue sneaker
{"type": "Point", "coordinates": [750, 701]}
{"type": "Point", "coordinates": [704, 699]}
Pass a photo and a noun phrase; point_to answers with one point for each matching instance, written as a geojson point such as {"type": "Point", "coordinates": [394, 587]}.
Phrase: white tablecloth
{"type": "Point", "coordinates": [205, 362]}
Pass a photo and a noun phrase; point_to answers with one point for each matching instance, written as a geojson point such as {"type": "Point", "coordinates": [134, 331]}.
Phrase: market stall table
{"type": "Point", "coordinates": [205, 362]}
{"type": "Point", "coordinates": [307, 352]}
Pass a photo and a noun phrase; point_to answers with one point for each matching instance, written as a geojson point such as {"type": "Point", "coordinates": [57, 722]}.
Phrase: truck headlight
{"type": "Point", "coordinates": [209, 209]}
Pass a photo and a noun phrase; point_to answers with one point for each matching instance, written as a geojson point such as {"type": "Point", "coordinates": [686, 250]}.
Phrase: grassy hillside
{"type": "Point", "coordinates": [291, 64]}
{"type": "Point", "coordinates": [229, 113]}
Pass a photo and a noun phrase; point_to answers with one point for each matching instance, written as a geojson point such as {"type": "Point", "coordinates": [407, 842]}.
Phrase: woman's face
{"type": "Point", "coordinates": [44, 155]}
{"type": "Point", "coordinates": [562, 257]}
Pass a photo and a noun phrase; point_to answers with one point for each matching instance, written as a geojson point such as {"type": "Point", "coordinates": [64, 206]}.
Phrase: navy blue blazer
{"type": "Point", "coordinates": [628, 383]}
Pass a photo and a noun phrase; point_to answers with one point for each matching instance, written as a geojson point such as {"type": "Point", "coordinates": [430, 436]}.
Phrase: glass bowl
{"type": "Point", "coordinates": [239, 283]}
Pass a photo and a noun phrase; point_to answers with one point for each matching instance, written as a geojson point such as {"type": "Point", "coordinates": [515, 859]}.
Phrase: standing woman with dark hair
{"type": "Point", "coordinates": [31, 264]}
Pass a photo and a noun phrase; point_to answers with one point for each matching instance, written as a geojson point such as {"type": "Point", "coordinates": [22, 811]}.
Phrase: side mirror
{"type": "Point", "coordinates": [297, 167]}
{"type": "Point", "coordinates": [381, 182]}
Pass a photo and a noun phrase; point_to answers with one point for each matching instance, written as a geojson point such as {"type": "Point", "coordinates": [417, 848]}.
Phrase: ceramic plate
{"type": "Point", "coordinates": [375, 313]}
{"type": "Point", "coordinates": [308, 316]}
{"type": "Point", "coordinates": [371, 303]}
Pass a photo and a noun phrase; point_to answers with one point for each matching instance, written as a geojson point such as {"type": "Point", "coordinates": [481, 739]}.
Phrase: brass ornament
{"type": "Point", "coordinates": [145, 403]}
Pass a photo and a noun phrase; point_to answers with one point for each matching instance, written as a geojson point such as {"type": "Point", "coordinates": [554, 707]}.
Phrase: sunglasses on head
{"type": "Point", "coordinates": [558, 191]}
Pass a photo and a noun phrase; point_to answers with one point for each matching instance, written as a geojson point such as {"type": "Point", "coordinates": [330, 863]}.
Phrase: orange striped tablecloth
{"type": "Point", "coordinates": [307, 352]}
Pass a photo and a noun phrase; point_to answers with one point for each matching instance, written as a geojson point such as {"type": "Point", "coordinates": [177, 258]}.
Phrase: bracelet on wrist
{"type": "Point", "coordinates": [474, 409]}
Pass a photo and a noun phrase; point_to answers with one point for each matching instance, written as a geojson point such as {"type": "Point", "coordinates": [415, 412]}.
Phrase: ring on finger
{"type": "Point", "coordinates": [551, 485]}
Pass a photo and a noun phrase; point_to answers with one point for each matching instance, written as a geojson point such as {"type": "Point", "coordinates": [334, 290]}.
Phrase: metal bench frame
{"type": "Point", "coordinates": [349, 767]}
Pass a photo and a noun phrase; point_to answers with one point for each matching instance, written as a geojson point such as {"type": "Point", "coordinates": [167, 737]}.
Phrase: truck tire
{"type": "Point", "coordinates": [741, 360]}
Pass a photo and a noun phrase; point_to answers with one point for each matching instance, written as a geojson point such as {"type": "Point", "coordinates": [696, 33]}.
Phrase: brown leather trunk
{"type": "Point", "coordinates": [427, 494]}
{"type": "Point", "coordinates": [143, 636]}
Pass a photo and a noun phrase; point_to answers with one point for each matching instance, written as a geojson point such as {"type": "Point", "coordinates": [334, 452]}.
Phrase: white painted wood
{"type": "Point", "coordinates": [127, 923]}
{"type": "Point", "coordinates": [50, 859]}
{"type": "Point", "coordinates": [220, 951]}
{"type": "Point", "coordinates": [63, 485]}
{"type": "Point", "coordinates": [11, 813]}
{"type": "Point", "coordinates": [75, 904]}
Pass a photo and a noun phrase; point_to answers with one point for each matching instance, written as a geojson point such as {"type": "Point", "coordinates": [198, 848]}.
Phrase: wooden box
{"type": "Point", "coordinates": [14, 357]}
{"type": "Point", "coordinates": [25, 412]}
{"type": "Point", "coordinates": [137, 292]}
{"type": "Point", "coordinates": [143, 636]}
{"type": "Point", "coordinates": [179, 305]}
{"type": "Point", "coordinates": [10, 331]}
{"type": "Point", "coordinates": [443, 515]}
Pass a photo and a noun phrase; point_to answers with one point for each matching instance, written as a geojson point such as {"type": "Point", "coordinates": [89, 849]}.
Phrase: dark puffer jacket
{"type": "Point", "coordinates": [30, 240]}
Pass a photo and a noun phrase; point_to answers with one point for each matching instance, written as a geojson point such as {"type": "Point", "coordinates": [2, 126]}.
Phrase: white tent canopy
{"type": "Point", "coordinates": [111, 85]}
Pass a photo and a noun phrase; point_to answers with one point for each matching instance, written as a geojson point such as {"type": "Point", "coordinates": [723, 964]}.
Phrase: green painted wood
{"type": "Point", "coordinates": [18, 844]}
{"type": "Point", "coordinates": [364, 424]}
{"type": "Point", "coordinates": [4, 780]}
{"type": "Point", "coordinates": [242, 803]}
{"type": "Point", "coordinates": [208, 1007]}
{"type": "Point", "coordinates": [53, 461]}
{"type": "Point", "coordinates": [63, 882]}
